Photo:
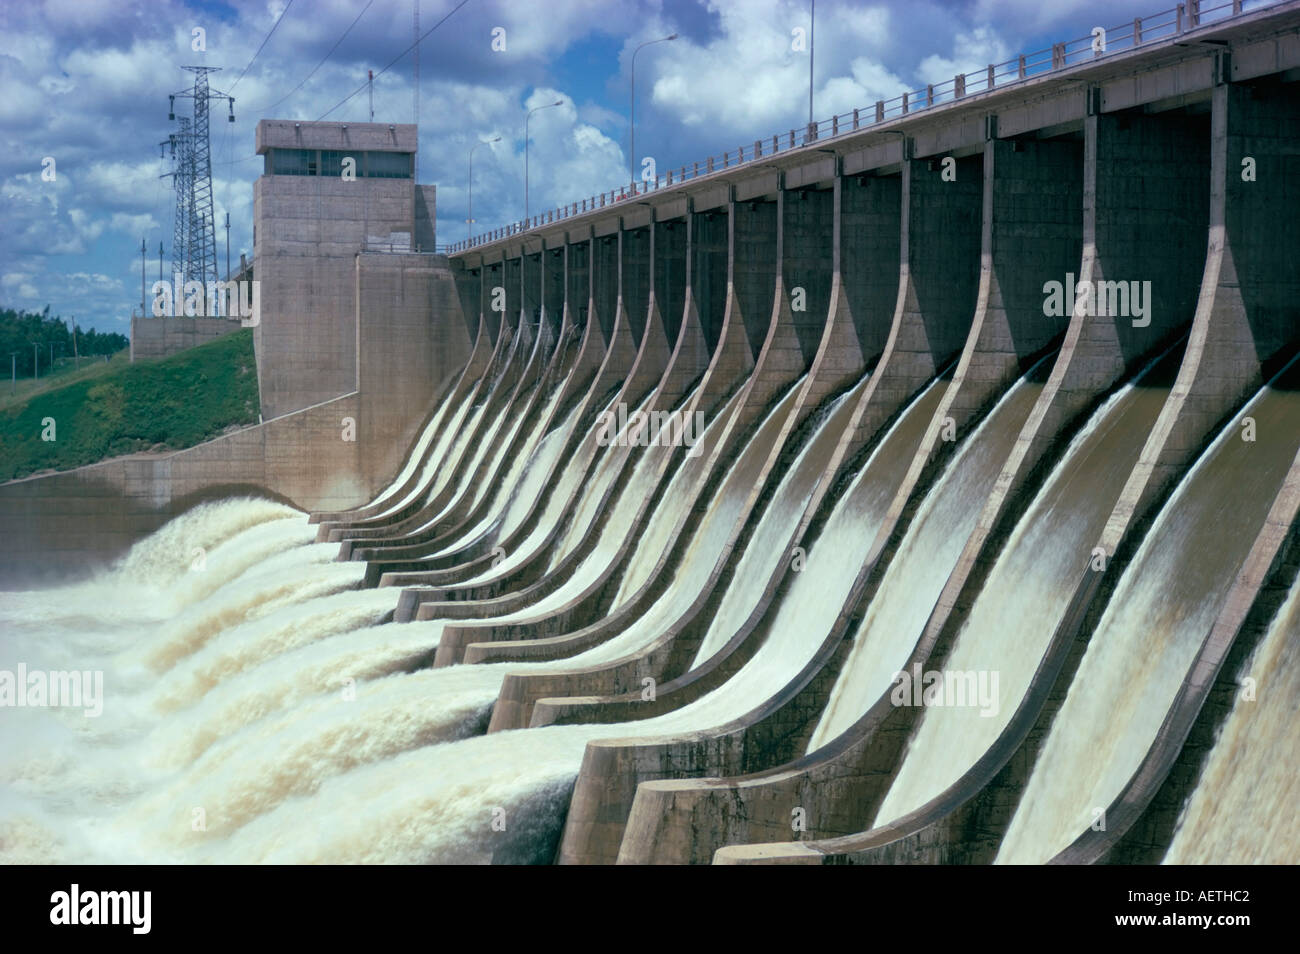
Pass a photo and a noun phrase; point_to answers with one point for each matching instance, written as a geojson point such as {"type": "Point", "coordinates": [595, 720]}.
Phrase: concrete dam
{"type": "Point", "coordinates": [922, 488]}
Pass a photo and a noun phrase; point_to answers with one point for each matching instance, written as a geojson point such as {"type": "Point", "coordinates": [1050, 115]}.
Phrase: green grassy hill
{"type": "Point", "coordinates": [117, 408]}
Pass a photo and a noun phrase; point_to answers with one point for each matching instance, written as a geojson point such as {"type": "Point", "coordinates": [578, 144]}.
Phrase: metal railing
{"type": "Point", "coordinates": [404, 248]}
{"type": "Point", "coordinates": [1128, 36]}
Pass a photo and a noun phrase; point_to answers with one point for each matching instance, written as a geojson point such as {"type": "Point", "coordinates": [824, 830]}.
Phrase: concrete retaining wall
{"type": "Point", "coordinates": [159, 337]}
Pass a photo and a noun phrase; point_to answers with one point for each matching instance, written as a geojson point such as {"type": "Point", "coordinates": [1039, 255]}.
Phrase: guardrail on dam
{"type": "Point", "coordinates": [993, 492]}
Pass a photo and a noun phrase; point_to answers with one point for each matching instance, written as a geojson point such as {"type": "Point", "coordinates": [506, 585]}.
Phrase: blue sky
{"type": "Point", "coordinates": [86, 82]}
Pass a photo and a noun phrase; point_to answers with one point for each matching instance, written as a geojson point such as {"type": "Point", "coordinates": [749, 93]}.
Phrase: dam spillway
{"type": "Point", "coordinates": [788, 515]}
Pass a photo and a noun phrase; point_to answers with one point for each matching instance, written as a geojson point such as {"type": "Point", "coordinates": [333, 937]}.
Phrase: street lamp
{"type": "Point", "coordinates": [469, 221]}
{"type": "Point", "coordinates": [558, 102]}
{"type": "Point", "coordinates": [631, 149]}
{"type": "Point", "coordinates": [812, 37]}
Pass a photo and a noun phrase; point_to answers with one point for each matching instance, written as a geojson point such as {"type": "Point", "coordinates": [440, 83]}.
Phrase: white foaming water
{"type": "Point", "coordinates": [1152, 629]}
{"type": "Point", "coordinates": [676, 501]}
{"type": "Point", "coordinates": [266, 693]}
{"type": "Point", "coordinates": [455, 454]}
{"type": "Point", "coordinates": [391, 499]}
{"type": "Point", "coordinates": [181, 564]}
{"type": "Point", "coordinates": [263, 635]}
{"type": "Point", "coordinates": [767, 547]}
{"type": "Point", "coordinates": [170, 552]}
{"type": "Point", "coordinates": [254, 591]}
{"type": "Point", "coordinates": [299, 571]}
{"type": "Point", "coordinates": [610, 536]}
{"type": "Point", "coordinates": [513, 496]}
{"type": "Point", "coordinates": [1026, 594]}
{"type": "Point", "coordinates": [434, 461]}
{"type": "Point", "coordinates": [917, 573]}
{"type": "Point", "coordinates": [1242, 810]}
{"type": "Point", "coordinates": [321, 665]}
{"type": "Point", "coordinates": [570, 476]}
{"type": "Point", "coordinates": [269, 741]}
{"type": "Point", "coordinates": [440, 801]}
{"type": "Point", "coordinates": [611, 461]}
{"type": "Point", "coordinates": [247, 670]}
{"type": "Point", "coordinates": [432, 804]}
{"type": "Point", "coordinates": [707, 544]}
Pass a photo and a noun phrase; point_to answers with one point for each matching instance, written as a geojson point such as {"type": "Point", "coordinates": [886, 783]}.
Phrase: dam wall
{"type": "Point", "coordinates": [978, 385]}
{"type": "Point", "coordinates": [1108, 173]}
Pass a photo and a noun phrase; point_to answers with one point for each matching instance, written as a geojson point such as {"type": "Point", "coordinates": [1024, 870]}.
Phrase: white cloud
{"type": "Point", "coordinates": [971, 52]}
{"type": "Point", "coordinates": [87, 81]}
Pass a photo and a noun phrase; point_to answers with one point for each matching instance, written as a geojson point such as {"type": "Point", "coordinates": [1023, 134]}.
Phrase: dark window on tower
{"type": "Point", "coordinates": [388, 165]}
{"type": "Point", "coordinates": [309, 162]}
{"type": "Point", "coordinates": [293, 162]}
{"type": "Point", "coordinates": [331, 163]}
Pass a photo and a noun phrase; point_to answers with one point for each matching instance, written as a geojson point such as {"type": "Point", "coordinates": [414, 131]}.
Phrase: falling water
{"type": "Point", "coordinates": [674, 504]}
{"type": "Point", "coordinates": [440, 802]}
{"type": "Point", "coordinates": [610, 536]}
{"type": "Point", "coordinates": [535, 451]}
{"type": "Point", "coordinates": [611, 461]}
{"type": "Point", "coordinates": [1029, 589]}
{"type": "Point", "coordinates": [302, 727]}
{"type": "Point", "coordinates": [1154, 625]}
{"type": "Point", "coordinates": [391, 498]}
{"type": "Point", "coordinates": [817, 593]}
{"type": "Point", "coordinates": [433, 462]}
{"type": "Point", "coordinates": [709, 541]}
{"type": "Point", "coordinates": [918, 571]}
{"type": "Point", "coordinates": [767, 547]}
{"type": "Point", "coordinates": [285, 704]}
{"type": "Point", "coordinates": [1242, 810]}
{"type": "Point", "coordinates": [447, 816]}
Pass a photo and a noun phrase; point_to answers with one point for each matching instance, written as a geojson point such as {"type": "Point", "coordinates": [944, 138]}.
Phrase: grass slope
{"type": "Point", "coordinates": [166, 404]}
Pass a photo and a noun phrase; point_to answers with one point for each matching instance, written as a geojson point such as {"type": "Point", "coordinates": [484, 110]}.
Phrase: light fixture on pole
{"type": "Point", "coordinates": [631, 146]}
{"type": "Point", "coordinates": [469, 217]}
{"type": "Point", "coordinates": [812, 40]}
{"type": "Point", "coordinates": [558, 102]}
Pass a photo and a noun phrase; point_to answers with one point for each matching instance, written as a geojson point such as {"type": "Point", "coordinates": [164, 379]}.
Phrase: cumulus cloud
{"type": "Point", "coordinates": [86, 81]}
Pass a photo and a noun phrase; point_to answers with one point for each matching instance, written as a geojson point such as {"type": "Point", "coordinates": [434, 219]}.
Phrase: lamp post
{"type": "Point", "coordinates": [812, 38]}
{"type": "Point", "coordinates": [631, 147]}
{"type": "Point", "coordinates": [469, 220]}
{"type": "Point", "coordinates": [558, 102]}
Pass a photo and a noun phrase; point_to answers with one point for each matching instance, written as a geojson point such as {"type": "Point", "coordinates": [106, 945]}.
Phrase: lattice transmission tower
{"type": "Point", "coordinates": [182, 176]}
{"type": "Point", "coordinates": [194, 249]}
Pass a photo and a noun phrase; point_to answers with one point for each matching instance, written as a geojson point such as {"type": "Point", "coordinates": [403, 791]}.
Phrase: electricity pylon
{"type": "Point", "coordinates": [194, 251]}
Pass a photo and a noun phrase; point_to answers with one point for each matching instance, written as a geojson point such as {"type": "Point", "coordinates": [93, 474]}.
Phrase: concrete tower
{"type": "Point", "coordinates": [314, 211]}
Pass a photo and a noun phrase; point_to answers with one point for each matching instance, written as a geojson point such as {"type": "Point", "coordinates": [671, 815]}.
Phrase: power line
{"type": "Point", "coordinates": [230, 133]}
{"type": "Point", "coordinates": [264, 42]}
{"type": "Point", "coordinates": [395, 59]}
{"type": "Point", "coordinates": [321, 63]}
